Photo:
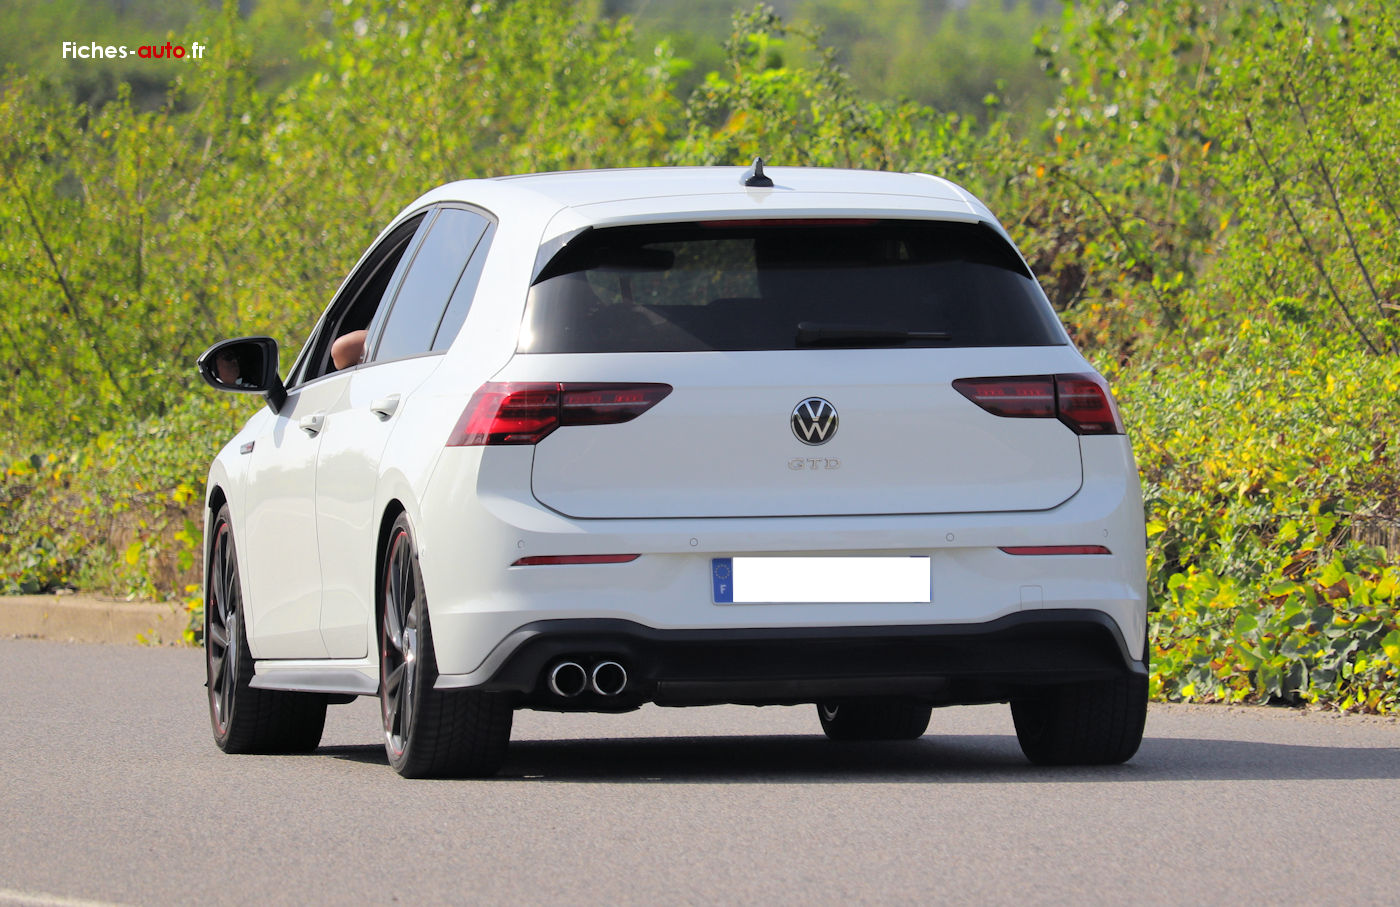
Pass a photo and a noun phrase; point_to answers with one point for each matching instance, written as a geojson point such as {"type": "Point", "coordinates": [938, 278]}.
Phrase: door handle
{"type": "Point", "coordinates": [385, 407]}
{"type": "Point", "coordinates": [312, 424]}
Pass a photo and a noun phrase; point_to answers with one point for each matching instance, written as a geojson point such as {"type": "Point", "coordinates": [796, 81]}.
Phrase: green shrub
{"type": "Point", "coordinates": [1257, 455]}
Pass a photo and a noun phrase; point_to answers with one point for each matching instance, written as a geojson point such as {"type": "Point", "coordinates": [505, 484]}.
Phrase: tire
{"type": "Point", "coordinates": [874, 719]}
{"type": "Point", "coordinates": [428, 733]}
{"type": "Point", "coordinates": [245, 719]}
{"type": "Point", "coordinates": [1097, 723]}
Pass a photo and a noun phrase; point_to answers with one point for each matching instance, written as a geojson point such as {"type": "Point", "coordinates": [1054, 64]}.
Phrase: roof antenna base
{"type": "Point", "coordinates": [755, 178]}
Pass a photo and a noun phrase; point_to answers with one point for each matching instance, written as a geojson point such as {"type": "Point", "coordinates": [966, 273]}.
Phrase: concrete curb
{"type": "Point", "coordinates": [85, 618]}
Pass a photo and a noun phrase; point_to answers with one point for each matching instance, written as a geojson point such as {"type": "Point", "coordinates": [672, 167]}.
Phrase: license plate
{"type": "Point", "coordinates": [821, 580]}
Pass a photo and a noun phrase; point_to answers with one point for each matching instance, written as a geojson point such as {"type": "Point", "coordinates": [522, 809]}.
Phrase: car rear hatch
{"type": "Point", "coordinates": [810, 367]}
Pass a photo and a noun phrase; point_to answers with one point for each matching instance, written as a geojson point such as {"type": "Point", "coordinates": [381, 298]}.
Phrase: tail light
{"type": "Point", "coordinates": [1081, 401]}
{"type": "Point", "coordinates": [1042, 550]}
{"type": "Point", "coordinates": [524, 413]}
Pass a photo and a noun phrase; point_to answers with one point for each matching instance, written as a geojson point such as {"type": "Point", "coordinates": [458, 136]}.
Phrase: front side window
{"type": "Point", "coordinates": [781, 285]}
{"type": "Point", "coordinates": [364, 293]}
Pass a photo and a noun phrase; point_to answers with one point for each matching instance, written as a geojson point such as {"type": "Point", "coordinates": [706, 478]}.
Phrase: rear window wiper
{"type": "Point", "coordinates": [811, 333]}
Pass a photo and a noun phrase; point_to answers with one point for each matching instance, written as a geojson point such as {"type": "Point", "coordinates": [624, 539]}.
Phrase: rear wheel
{"type": "Point", "coordinates": [428, 732]}
{"type": "Point", "coordinates": [1098, 723]}
{"type": "Point", "coordinates": [246, 719]}
{"type": "Point", "coordinates": [874, 719]}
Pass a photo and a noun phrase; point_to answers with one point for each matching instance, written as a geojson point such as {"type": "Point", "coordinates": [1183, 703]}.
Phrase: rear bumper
{"type": "Point", "coordinates": [478, 519]}
{"type": "Point", "coordinates": [943, 664]}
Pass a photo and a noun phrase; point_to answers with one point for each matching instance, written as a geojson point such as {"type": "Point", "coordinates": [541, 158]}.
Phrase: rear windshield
{"type": "Point", "coordinates": [782, 285]}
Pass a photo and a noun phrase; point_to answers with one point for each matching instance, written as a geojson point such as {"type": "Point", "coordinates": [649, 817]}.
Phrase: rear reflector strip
{"type": "Point", "coordinates": [540, 560]}
{"type": "Point", "coordinates": [1033, 550]}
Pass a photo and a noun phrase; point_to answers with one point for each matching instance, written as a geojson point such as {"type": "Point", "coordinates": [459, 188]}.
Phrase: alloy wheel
{"type": "Point", "coordinates": [222, 636]}
{"type": "Point", "coordinates": [399, 648]}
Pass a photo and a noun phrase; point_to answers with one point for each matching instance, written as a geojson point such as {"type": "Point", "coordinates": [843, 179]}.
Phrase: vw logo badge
{"type": "Point", "coordinates": [814, 421]}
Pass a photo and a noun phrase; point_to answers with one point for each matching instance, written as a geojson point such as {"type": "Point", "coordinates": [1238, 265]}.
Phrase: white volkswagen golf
{"type": "Point", "coordinates": [584, 441]}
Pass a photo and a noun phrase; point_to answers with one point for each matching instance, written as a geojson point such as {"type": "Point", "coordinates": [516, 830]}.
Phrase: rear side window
{"type": "Point", "coordinates": [426, 289]}
{"type": "Point", "coordinates": [781, 285]}
{"type": "Point", "coordinates": [462, 296]}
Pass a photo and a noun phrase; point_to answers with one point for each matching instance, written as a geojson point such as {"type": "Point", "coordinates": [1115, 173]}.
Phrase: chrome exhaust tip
{"type": "Point", "coordinates": [568, 679]}
{"type": "Point", "coordinates": [609, 678]}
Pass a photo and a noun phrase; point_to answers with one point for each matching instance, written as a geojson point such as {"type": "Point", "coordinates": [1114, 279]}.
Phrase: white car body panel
{"type": "Point", "coordinates": [280, 549]}
{"type": "Point", "coordinates": [350, 463]}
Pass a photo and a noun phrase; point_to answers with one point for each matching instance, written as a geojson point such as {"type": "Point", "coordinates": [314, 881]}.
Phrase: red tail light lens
{"type": "Point", "coordinates": [1080, 401]}
{"type": "Point", "coordinates": [608, 404]}
{"type": "Point", "coordinates": [1032, 398]}
{"type": "Point", "coordinates": [503, 413]}
{"type": "Point", "coordinates": [1086, 405]}
{"type": "Point", "coordinates": [524, 413]}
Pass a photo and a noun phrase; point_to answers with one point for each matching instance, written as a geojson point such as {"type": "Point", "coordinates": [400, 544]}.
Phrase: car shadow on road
{"type": "Point", "coordinates": [950, 759]}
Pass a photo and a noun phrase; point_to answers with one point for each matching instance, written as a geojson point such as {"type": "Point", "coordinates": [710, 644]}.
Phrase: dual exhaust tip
{"type": "Point", "coordinates": [569, 679]}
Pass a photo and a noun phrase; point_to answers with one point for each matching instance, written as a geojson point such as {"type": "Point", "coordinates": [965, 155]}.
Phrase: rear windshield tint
{"type": "Point", "coordinates": [781, 285]}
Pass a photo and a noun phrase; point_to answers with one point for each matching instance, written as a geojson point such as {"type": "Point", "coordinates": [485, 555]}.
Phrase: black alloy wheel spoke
{"type": "Point", "coordinates": [227, 579]}
{"type": "Point", "coordinates": [393, 616]}
{"type": "Point", "coordinates": [218, 613]}
{"type": "Point", "coordinates": [393, 688]}
{"type": "Point", "coordinates": [218, 636]}
{"type": "Point", "coordinates": [216, 669]}
{"type": "Point", "coordinates": [405, 703]}
{"type": "Point", "coordinates": [393, 630]}
{"type": "Point", "coordinates": [229, 681]}
{"type": "Point", "coordinates": [401, 578]}
{"type": "Point", "coordinates": [229, 675]}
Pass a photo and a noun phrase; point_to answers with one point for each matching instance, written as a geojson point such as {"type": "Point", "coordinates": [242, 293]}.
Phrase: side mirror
{"type": "Point", "coordinates": [245, 365]}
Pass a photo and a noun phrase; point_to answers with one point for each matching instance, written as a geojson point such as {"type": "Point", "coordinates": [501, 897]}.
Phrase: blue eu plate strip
{"type": "Point", "coordinates": [722, 571]}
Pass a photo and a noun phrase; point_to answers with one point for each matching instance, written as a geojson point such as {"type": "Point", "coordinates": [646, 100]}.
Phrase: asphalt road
{"type": "Point", "coordinates": [111, 790]}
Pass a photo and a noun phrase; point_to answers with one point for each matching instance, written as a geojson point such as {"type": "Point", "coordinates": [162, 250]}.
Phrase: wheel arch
{"type": "Point", "coordinates": [213, 501]}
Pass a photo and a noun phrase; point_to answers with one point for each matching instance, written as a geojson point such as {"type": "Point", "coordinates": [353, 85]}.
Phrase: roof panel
{"type": "Point", "coordinates": [571, 188]}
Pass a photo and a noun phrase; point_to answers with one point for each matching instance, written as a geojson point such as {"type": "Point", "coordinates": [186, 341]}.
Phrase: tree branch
{"type": "Point", "coordinates": [1313, 256]}
{"type": "Point", "coordinates": [1162, 303]}
{"type": "Point", "coordinates": [1326, 174]}
{"type": "Point", "coordinates": [70, 299]}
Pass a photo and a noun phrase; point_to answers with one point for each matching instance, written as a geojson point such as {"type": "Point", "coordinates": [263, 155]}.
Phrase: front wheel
{"type": "Point", "coordinates": [874, 719]}
{"type": "Point", "coordinates": [1097, 723]}
{"type": "Point", "coordinates": [244, 718]}
{"type": "Point", "coordinates": [427, 732]}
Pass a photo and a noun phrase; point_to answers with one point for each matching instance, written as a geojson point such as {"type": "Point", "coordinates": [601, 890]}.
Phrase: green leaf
{"type": "Point", "coordinates": [1390, 645]}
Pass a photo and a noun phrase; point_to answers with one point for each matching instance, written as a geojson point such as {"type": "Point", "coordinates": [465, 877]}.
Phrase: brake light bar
{"type": "Point", "coordinates": [503, 412]}
{"type": "Point", "coordinates": [542, 559]}
{"type": "Point", "coordinates": [790, 222]}
{"type": "Point", "coordinates": [1040, 550]}
{"type": "Point", "coordinates": [1081, 401]}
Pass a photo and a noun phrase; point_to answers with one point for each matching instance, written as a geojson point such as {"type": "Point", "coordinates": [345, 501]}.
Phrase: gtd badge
{"type": "Point", "coordinates": [814, 421]}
